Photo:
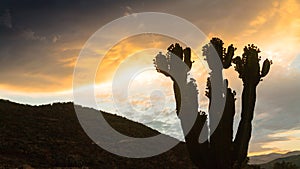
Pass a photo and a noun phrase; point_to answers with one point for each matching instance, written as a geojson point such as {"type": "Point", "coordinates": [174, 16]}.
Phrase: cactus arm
{"type": "Point", "coordinates": [266, 68]}
{"type": "Point", "coordinates": [228, 56]}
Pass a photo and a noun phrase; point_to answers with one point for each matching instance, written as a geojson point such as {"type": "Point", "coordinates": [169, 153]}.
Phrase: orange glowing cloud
{"type": "Point", "coordinates": [118, 53]}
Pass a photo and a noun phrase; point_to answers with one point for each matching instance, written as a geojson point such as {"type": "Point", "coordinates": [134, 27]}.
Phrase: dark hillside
{"type": "Point", "coordinates": [50, 136]}
{"type": "Point", "coordinates": [293, 159]}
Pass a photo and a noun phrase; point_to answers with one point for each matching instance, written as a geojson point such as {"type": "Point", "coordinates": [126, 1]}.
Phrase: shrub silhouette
{"type": "Point", "coordinates": [284, 165]}
{"type": "Point", "coordinates": [220, 151]}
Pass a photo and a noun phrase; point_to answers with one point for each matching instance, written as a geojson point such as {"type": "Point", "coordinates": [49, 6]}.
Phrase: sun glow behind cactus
{"type": "Point", "coordinates": [150, 94]}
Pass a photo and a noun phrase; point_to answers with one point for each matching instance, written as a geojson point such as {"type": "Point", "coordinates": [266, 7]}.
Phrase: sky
{"type": "Point", "coordinates": [40, 42]}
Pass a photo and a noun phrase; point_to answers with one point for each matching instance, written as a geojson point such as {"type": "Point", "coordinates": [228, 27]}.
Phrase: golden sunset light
{"type": "Point", "coordinates": [43, 45]}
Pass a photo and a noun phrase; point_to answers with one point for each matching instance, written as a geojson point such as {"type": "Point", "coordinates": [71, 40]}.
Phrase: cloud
{"type": "Point", "coordinates": [30, 35]}
{"type": "Point", "coordinates": [264, 17]}
{"type": "Point", "coordinates": [296, 63]}
{"type": "Point", "coordinates": [56, 38]}
{"type": "Point", "coordinates": [6, 19]}
{"type": "Point", "coordinates": [122, 53]}
{"type": "Point", "coordinates": [128, 11]}
{"type": "Point", "coordinates": [283, 141]}
{"type": "Point", "coordinates": [277, 111]}
{"type": "Point", "coordinates": [35, 63]}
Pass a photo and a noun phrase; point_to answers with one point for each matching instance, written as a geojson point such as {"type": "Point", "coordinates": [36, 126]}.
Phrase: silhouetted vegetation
{"type": "Point", "coordinates": [221, 151]}
{"type": "Point", "coordinates": [284, 165]}
{"type": "Point", "coordinates": [50, 136]}
{"type": "Point", "coordinates": [292, 160]}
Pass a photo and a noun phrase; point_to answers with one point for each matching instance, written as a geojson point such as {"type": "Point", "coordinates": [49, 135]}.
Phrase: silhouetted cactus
{"type": "Point", "coordinates": [216, 47]}
{"type": "Point", "coordinates": [172, 65]}
{"type": "Point", "coordinates": [249, 71]}
{"type": "Point", "coordinates": [266, 68]}
{"type": "Point", "coordinates": [220, 152]}
{"type": "Point", "coordinates": [220, 145]}
{"type": "Point", "coordinates": [179, 63]}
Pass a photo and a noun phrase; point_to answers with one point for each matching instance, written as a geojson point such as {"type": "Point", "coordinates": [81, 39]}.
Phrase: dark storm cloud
{"type": "Point", "coordinates": [33, 33]}
{"type": "Point", "coordinates": [228, 18]}
{"type": "Point", "coordinates": [36, 34]}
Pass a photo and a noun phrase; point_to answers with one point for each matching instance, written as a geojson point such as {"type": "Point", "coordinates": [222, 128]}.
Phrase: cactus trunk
{"type": "Point", "coordinates": [245, 126]}
{"type": "Point", "coordinates": [177, 96]}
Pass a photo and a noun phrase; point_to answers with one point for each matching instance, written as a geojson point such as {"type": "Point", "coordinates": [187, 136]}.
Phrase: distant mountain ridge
{"type": "Point", "coordinates": [261, 159]}
{"type": "Point", "coordinates": [294, 159]}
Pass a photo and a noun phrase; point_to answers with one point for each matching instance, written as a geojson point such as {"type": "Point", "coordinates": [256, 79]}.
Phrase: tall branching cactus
{"type": "Point", "coordinates": [220, 152]}
{"type": "Point", "coordinates": [221, 139]}
{"type": "Point", "coordinates": [249, 71]}
{"type": "Point", "coordinates": [173, 67]}
{"type": "Point", "coordinates": [176, 64]}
